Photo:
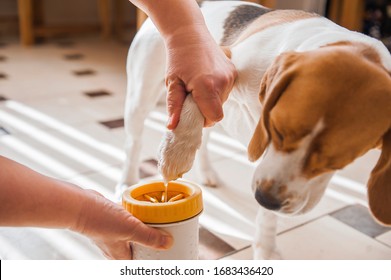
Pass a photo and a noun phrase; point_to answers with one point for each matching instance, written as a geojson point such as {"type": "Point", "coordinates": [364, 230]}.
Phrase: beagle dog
{"type": "Point", "coordinates": [310, 98]}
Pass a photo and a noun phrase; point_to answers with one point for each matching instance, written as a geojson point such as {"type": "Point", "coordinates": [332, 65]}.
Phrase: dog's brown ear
{"type": "Point", "coordinates": [379, 184]}
{"type": "Point", "coordinates": [273, 84]}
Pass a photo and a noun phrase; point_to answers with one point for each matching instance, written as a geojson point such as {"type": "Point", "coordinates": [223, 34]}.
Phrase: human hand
{"type": "Point", "coordinates": [112, 228]}
{"type": "Point", "coordinates": [197, 65]}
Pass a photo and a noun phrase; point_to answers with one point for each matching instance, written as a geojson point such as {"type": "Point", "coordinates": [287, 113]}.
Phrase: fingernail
{"type": "Point", "coordinates": [169, 123]}
{"type": "Point", "coordinates": [209, 124]}
{"type": "Point", "coordinates": [166, 240]}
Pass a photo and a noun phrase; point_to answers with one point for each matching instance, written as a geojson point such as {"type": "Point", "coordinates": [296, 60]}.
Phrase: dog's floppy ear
{"type": "Point", "coordinates": [273, 84]}
{"type": "Point", "coordinates": [379, 184]}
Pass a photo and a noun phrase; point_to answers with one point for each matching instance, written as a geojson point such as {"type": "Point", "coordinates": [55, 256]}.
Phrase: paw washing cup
{"type": "Point", "coordinates": [175, 210]}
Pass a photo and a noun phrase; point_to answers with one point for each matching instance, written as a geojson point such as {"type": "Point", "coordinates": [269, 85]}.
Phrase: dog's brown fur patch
{"type": "Point", "coordinates": [270, 19]}
{"type": "Point", "coordinates": [238, 20]}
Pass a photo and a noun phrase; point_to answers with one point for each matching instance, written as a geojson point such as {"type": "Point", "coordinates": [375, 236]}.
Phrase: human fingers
{"type": "Point", "coordinates": [151, 237]}
{"type": "Point", "coordinates": [115, 250]}
{"type": "Point", "coordinates": [176, 94]}
{"type": "Point", "coordinates": [207, 97]}
{"type": "Point", "coordinates": [118, 245]}
{"type": "Point", "coordinates": [211, 91]}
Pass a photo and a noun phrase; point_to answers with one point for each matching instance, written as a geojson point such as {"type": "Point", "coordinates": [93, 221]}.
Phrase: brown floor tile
{"type": "Point", "coordinates": [148, 168]}
{"type": "Point", "coordinates": [113, 123]}
{"type": "Point", "coordinates": [74, 56]}
{"type": "Point", "coordinates": [64, 43]}
{"type": "Point", "coordinates": [211, 247]}
{"type": "Point", "coordinates": [84, 72]}
{"type": "Point", "coordinates": [97, 93]}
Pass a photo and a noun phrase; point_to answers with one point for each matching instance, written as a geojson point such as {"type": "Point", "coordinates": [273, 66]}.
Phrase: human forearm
{"type": "Point", "coordinates": [195, 63]}
{"type": "Point", "coordinates": [28, 198]}
{"type": "Point", "coordinates": [171, 16]}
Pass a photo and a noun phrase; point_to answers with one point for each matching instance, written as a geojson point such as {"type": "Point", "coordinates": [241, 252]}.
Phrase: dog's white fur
{"type": "Point", "coordinates": [252, 57]}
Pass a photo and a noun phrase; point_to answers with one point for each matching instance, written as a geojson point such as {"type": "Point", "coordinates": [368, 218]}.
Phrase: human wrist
{"type": "Point", "coordinates": [86, 204]}
{"type": "Point", "coordinates": [175, 19]}
{"type": "Point", "coordinates": [189, 35]}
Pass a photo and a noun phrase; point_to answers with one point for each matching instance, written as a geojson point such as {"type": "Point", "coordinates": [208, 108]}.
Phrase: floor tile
{"type": "Point", "coordinates": [113, 123]}
{"type": "Point", "coordinates": [211, 247]}
{"type": "Point", "coordinates": [84, 72]}
{"type": "Point", "coordinates": [151, 138]}
{"type": "Point", "coordinates": [64, 43]}
{"type": "Point", "coordinates": [230, 209]}
{"type": "Point", "coordinates": [46, 244]}
{"type": "Point", "coordinates": [70, 109]}
{"type": "Point", "coordinates": [359, 218]}
{"type": "Point", "coordinates": [103, 181]}
{"type": "Point", "coordinates": [29, 245]}
{"type": "Point", "coordinates": [59, 153]}
{"type": "Point", "coordinates": [148, 168]}
{"type": "Point", "coordinates": [327, 238]}
{"type": "Point", "coordinates": [25, 152]}
{"type": "Point", "coordinates": [3, 131]}
{"type": "Point", "coordinates": [97, 93]}
{"type": "Point", "coordinates": [326, 205]}
{"type": "Point", "coordinates": [244, 254]}
{"type": "Point", "coordinates": [74, 56]}
{"type": "Point", "coordinates": [385, 238]}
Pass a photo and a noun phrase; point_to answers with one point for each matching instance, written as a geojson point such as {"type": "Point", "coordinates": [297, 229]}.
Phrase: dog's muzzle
{"type": "Point", "coordinates": [267, 201]}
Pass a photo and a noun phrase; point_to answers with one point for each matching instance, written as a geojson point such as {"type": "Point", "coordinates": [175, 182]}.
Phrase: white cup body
{"type": "Point", "coordinates": [185, 246]}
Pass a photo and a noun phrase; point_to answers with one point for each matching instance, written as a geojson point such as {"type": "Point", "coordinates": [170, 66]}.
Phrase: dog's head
{"type": "Point", "coordinates": [321, 110]}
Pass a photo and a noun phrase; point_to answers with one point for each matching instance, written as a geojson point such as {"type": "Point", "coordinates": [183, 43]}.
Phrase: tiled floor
{"type": "Point", "coordinates": [61, 106]}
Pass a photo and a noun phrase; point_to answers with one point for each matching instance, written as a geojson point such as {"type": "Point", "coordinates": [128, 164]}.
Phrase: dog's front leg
{"type": "Point", "coordinates": [178, 147]}
{"type": "Point", "coordinates": [134, 127]}
{"type": "Point", "coordinates": [264, 246]}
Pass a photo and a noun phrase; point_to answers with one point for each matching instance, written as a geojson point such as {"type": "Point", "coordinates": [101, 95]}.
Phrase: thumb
{"type": "Point", "coordinates": [176, 94]}
{"type": "Point", "coordinates": [152, 237]}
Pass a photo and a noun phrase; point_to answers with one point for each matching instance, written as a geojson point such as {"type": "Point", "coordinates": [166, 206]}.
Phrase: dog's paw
{"type": "Point", "coordinates": [266, 253]}
{"type": "Point", "coordinates": [273, 255]}
{"type": "Point", "coordinates": [179, 146]}
{"type": "Point", "coordinates": [210, 178]}
{"type": "Point", "coordinates": [176, 155]}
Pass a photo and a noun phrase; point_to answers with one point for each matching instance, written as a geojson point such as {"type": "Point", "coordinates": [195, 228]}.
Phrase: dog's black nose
{"type": "Point", "coordinates": [267, 201]}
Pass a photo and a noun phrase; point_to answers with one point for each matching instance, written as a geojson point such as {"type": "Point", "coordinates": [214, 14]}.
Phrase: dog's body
{"type": "Point", "coordinates": [318, 83]}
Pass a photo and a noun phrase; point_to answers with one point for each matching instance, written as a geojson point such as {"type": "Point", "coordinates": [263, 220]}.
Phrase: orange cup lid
{"type": "Point", "coordinates": [144, 201]}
